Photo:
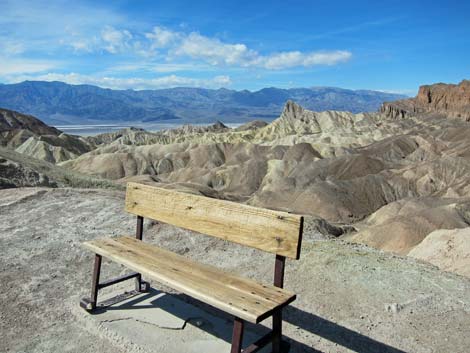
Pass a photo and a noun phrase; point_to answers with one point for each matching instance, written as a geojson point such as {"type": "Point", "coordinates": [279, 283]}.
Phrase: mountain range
{"type": "Point", "coordinates": [62, 104]}
{"type": "Point", "coordinates": [395, 179]}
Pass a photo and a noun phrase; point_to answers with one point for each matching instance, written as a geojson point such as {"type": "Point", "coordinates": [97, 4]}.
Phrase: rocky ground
{"type": "Point", "coordinates": [350, 297]}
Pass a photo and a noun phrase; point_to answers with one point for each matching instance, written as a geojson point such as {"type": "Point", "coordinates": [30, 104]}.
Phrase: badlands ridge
{"type": "Point", "coordinates": [389, 180]}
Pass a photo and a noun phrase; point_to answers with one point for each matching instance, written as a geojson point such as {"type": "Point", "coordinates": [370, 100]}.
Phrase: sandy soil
{"type": "Point", "coordinates": [350, 297]}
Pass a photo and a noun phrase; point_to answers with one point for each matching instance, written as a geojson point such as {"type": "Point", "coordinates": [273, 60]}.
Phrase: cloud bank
{"type": "Point", "coordinates": [136, 83]}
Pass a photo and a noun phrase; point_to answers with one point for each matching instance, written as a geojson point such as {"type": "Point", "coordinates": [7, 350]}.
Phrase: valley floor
{"type": "Point", "coordinates": [350, 297]}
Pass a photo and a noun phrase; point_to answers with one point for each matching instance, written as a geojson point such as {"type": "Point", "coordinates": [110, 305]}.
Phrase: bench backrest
{"type": "Point", "coordinates": [272, 231]}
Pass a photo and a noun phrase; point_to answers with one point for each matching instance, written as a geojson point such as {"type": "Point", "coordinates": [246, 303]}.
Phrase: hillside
{"type": "Point", "coordinates": [20, 170]}
{"type": "Point", "coordinates": [30, 136]}
{"type": "Point", "coordinates": [60, 103]}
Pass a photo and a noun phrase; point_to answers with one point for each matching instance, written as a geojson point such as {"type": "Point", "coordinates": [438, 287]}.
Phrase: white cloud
{"type": "Point", "coordinates": [174, 45]}
{"type": "Point", "coordinates": [115, 40]}
{"type": "Point", "coordinates": [110, 40]}
{"type": "Point", "coordinates": [295, 58]}
{"type": "Point", "coordinates": [161, 37]}
{"type": "Point", "coordinates": [82, 45]}
{"type": "Point", "coordinates": [15, 66]}
{"type": "Point", "coordinates": [129, 83]}
{"type": "Point", "coordinates": [214, 51]}
{"type": "Point", "coordinates": [217, 53]}
{"type": "Point", "coordinates": [149, 66]}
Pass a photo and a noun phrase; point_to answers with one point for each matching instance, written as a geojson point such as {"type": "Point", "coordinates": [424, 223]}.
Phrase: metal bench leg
{"type": "Point", "coordinates": [237, 336]}
{"type": "Point", "coordinates": [90, 304]}
{"type": "Point", "coordinates": [140, 286]}
{"type": "Point", "coordinates": [277, 331]}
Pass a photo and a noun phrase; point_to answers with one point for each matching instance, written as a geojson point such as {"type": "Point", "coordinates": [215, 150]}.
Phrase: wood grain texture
{"type": "Point", "coordinates": [241, 297]}
{"type": "Point", "coordinates": [268, 230]}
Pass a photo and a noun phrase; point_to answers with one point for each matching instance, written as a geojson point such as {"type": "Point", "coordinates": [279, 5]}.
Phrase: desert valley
{"type": "Point", "coordinates": [385, 195]}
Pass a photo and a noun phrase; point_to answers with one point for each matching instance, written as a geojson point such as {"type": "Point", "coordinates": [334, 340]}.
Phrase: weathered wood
{"type": "Point", "coordinates": [272, 231]}
{"type": "Point", "coordinates": [235, 295]}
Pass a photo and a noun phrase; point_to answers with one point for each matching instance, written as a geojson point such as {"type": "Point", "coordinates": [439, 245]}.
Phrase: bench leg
{"type": "Point", "coordinates": [141, 286]}
{"type": "Point", "coordinates": [237, 336]}
{"type": "Point", "coordinates": [277, 331]}
{"type": "Point", "coordinates": [90, 304]}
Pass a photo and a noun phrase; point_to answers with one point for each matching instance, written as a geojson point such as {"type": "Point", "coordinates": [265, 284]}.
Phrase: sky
{"type": "Point", "coordinates": [392, 46]}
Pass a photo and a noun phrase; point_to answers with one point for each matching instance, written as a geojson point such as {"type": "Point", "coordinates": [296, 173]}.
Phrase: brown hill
{"type": "Point", "coordinates": [11, 120]}
{"type": "Point", "coordinates": [30, 136]}
{"type": "Point", "coordinates": [15, 128]}
{"type": "Point", "coordinates": [439, 99]}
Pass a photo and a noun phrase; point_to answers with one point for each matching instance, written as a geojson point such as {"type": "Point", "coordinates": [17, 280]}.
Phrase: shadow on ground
{"type": "Point", "coordinates": [221, 324]}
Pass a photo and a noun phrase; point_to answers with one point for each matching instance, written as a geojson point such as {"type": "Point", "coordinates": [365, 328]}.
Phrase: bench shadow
{"type": "Point", "coordinates": [176, 304]}
{"type": "Point", "coordinates": [333, 332]}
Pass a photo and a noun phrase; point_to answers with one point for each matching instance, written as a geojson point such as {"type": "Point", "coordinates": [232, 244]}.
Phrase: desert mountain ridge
{"type": "Point", "coordinates": [60, 103]}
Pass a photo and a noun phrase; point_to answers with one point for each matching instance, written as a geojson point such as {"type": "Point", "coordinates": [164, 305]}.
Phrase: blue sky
{"type": "Point", "coordinates": [391, 46]}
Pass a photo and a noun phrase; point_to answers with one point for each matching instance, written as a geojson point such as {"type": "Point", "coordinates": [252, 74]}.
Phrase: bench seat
{"type": "Point", "coordinates": [241, 297]}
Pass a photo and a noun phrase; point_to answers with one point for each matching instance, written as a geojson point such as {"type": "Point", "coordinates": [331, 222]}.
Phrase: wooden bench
{"type": "Point", "coordinates": [247, 300]}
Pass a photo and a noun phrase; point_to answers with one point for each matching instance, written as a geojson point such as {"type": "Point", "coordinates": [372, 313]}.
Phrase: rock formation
{"type": "Point", "coordinates": [448, 100]}
{"type": "Point", "coordinates": [30, 136]}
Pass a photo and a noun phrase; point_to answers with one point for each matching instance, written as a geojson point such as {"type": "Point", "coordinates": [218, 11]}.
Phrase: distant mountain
{"type": "Point", "coordinates": [61, 103]}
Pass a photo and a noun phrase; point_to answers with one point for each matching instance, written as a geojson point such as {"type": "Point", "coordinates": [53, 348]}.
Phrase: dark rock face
{"type": "Point", "coordinates": [448, 100]}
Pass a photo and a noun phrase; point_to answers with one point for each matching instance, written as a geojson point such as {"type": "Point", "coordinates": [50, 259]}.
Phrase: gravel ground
{"type": "Point", "coordinates": [350, 297]}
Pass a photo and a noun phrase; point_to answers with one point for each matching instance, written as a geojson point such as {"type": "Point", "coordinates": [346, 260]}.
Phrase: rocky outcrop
{"type": "Point", "coordinates": [11, 120]}
{"type": "Point", "coordinates": [29, 135]}
{"type": "Point", "coordinates": [447, 100]}
{"type": "Point", "coordinates": [16, 128]}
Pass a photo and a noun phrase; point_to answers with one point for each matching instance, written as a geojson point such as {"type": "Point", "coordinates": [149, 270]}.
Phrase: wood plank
{"type": "Point", "coordinates": [236, 295]}
{"type": "Point", "coordinates": [272, 231]}
{"type": "Point", "coordinates": [209, 273]}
